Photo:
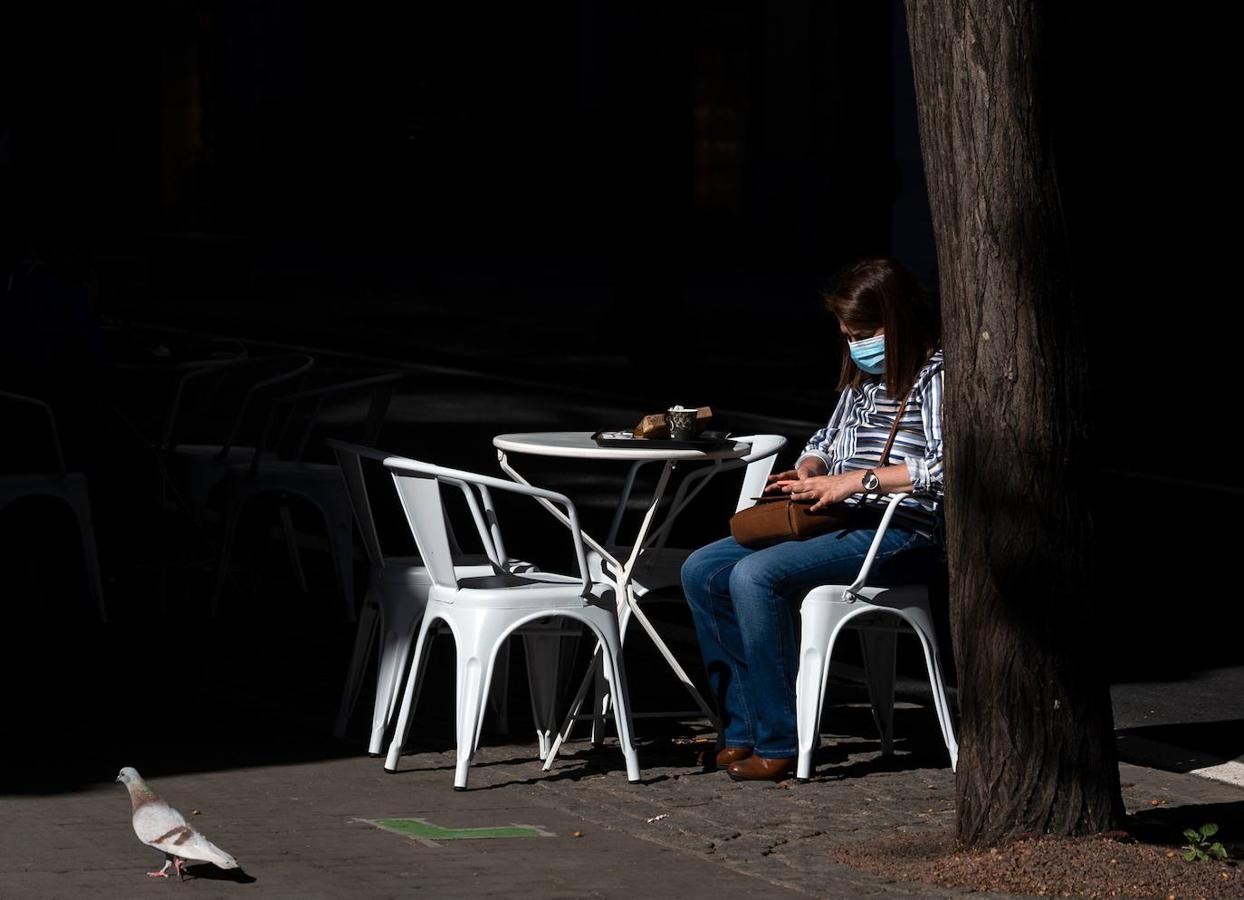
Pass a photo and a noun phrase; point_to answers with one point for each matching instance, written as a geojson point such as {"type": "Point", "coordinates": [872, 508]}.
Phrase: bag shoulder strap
{"type": "Point", "coordinates": [885, 455]}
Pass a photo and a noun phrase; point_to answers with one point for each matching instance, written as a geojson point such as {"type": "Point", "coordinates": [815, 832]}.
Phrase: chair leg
{"type": "Point", "coordinates": [568, 651]}
{"type": "Point", "coordinates": [499, 695]}
{"type": "Point", "coordinates": [604, 623]}
{"type": "Point", "coordinates": [543, 652]}
{"type": "Point", "coordinates": [571, 651]}
{"type": "Point", "coordinates": [576, 705]}
{"type": "Point", "coordinates": [233, 512]}
{"type": "Point", "coordinates": [81, 503]}
{"type": "Point", "coordinates": [339, 519]}
{"type": "Point", "coordinates": [164, 590]}
{"type": "Point", "coordinates": [816, 628]}
{"type": "Point", "coordinates": [948, 725]}
{"type": "Point", "coordinates": [480, 639]}
{"type": "Point", "coordinates": [200, 479]}
{"type": "Point", "coordinates": [878, 646]}
{"type": "Point", "coordinates": [291, 546]}
{"type": "Point", "coordinates": [600, 703]}
{"type": "Point", "coordinates": [364, 639]}
{"type": "Point", "coordinates": [411, 696]}
{"type": "Point", "coordinates": [394, 653]}
{"type": "Point", "coordinates": [942, 702]}
{"type": "Point", "coordinates": [401, 611]}
{"type": "Point", "coordinates": [622, 718]}
{"type": "Point", "coordinates": [922, 623]}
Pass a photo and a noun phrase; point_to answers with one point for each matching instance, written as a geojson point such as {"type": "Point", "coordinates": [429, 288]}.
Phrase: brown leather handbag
{"type": "Point", "coordinates": [776, 519]}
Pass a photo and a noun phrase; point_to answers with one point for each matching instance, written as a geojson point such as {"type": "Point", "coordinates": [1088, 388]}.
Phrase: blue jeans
{"type": "Point", "coordinates": [746, 603]}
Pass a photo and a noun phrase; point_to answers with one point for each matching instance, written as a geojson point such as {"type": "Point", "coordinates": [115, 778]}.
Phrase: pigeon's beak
{"type": "Point", "coordinates": [117, 779]}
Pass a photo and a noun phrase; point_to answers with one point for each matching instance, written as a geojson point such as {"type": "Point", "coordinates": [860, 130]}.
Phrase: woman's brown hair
{"type": "Point", "coordinates": [881, 293]}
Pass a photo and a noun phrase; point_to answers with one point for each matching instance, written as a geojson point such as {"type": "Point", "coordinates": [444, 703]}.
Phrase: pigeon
{"type": "Point", "coordinates": [159, 825]}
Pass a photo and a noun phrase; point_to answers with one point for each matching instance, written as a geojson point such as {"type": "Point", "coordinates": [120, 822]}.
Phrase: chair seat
{"type": "Point", "coordinates": [893, 598]}
{"type": "Point", "coordinates": [52, 484]}
{"type": "Point", "coordinates": [288, 468]}
{"type": "Point", "coordinates": [656, 569]}
{"type": "Point", "coordinates": [18, 478]}
{"type": "Point", "coordinates": [405, 570]}
{"type": "Point", "coordinates": [874, 611]}
{"type": "Point", "coordinates": [535, 591]}
{"type": "Point", "coordinates": [234, 454]}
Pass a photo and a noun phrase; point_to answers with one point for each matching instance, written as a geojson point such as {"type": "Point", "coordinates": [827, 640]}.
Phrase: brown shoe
{"type": "Point", "coordinates": [757, 768]}
{"type": "Point", "coordinates": [730, 755]}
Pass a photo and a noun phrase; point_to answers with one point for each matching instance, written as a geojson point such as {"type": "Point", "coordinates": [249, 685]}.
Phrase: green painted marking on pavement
{"type": "Point", "coordinates": [422, 830]}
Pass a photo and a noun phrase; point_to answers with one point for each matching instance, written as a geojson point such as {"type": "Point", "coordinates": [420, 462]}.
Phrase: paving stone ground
{"type": "Point", "coordinates": [298, 829]}
{"type": "Point", "coordinates": [298, 832]}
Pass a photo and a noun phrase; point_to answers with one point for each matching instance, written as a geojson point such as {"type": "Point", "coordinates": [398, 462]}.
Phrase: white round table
{"type": "Point", "coordinates": [580, 445]}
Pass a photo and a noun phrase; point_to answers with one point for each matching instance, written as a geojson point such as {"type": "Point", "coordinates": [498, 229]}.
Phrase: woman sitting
{"type": "Point", "coordinates": [745, 602]}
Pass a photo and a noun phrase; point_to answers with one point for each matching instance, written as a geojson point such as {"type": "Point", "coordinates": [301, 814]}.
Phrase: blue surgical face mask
{"type": "Point", "coordinates": [869, 354]}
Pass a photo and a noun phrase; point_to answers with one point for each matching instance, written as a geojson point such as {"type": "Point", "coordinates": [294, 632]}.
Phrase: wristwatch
{"type": "Point", "coordinates": [870, 481]}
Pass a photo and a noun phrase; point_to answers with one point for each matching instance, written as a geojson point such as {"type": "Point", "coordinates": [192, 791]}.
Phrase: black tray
{"type": "Point", "coordinates": [708, 440]}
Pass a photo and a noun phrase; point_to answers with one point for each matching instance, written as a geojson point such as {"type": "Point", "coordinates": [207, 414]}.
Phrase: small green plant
{"type": "Point", "coordinates": [1199, 848]}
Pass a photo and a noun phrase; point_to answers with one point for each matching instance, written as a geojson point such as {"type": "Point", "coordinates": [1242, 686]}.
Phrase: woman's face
{"type": "Point", "coordinates": [855, 333]}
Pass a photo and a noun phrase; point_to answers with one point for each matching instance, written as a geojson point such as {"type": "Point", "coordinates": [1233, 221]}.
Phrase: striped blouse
{"type": "Point", "coordinates": [857, 431]}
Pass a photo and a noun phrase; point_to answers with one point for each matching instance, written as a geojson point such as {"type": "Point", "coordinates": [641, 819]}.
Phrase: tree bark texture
{"type": "Point", "coordinates": [1037, 742]}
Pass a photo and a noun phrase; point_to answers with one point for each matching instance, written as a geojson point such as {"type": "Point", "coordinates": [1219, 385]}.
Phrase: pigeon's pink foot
{"type": "Point", "coordinates": [179, 866]}
{"type": "Point", "coordinates": [159, 874]}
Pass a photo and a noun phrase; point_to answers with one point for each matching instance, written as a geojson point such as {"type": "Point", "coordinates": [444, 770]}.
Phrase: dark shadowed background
{"type": "Point", "coordinates": [636, 198]}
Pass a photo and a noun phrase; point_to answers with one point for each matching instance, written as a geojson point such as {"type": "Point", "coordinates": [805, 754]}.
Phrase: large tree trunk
{"type": "Point", "coordinates": [1038, 753]}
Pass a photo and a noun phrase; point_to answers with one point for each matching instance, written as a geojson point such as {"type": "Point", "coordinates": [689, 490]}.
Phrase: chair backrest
{"type": "Point", "coordinates": [418, 485]}
{"type": "Point", "coordinates": [350, 458]}
{"type": "Point", "coordinates": [236, 391]}
{"type": "Point", "coordinates": [53, 433]}
{"type": "Point", "coordinates": [293, 418]}
{"type": "Point", "coordinates": [419, 490]}
{"type": "Point", "coordinates": [759, 461]}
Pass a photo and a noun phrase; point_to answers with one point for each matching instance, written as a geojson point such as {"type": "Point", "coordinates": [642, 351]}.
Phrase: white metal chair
{"type": "Point", "coordinates": [212, 424]}
{"type": "Point", "coordinates": [482, 611]}
{"type": "Point", "coordinates": [397, 594]}
{"type": "Point", "coordinates": [68, 487]}
{"type": "Point", "coordinates": [277, 465]}
{"type": "Point", "coordinates": [239, 391]}
{"type": "Point", "coordinates": [876, 612]}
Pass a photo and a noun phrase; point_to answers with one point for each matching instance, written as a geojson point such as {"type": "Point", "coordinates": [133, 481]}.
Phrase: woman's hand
{"type": "Point", "coordinates": [821, 490]}
{"type": "Point", "coordinates": [809, 468]}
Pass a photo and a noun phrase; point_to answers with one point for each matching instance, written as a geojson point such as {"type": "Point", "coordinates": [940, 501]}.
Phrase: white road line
{"type": "Point", "coordinates": [1231, 772]}
{"type": "Point", "coordinates": [1145, 751]}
